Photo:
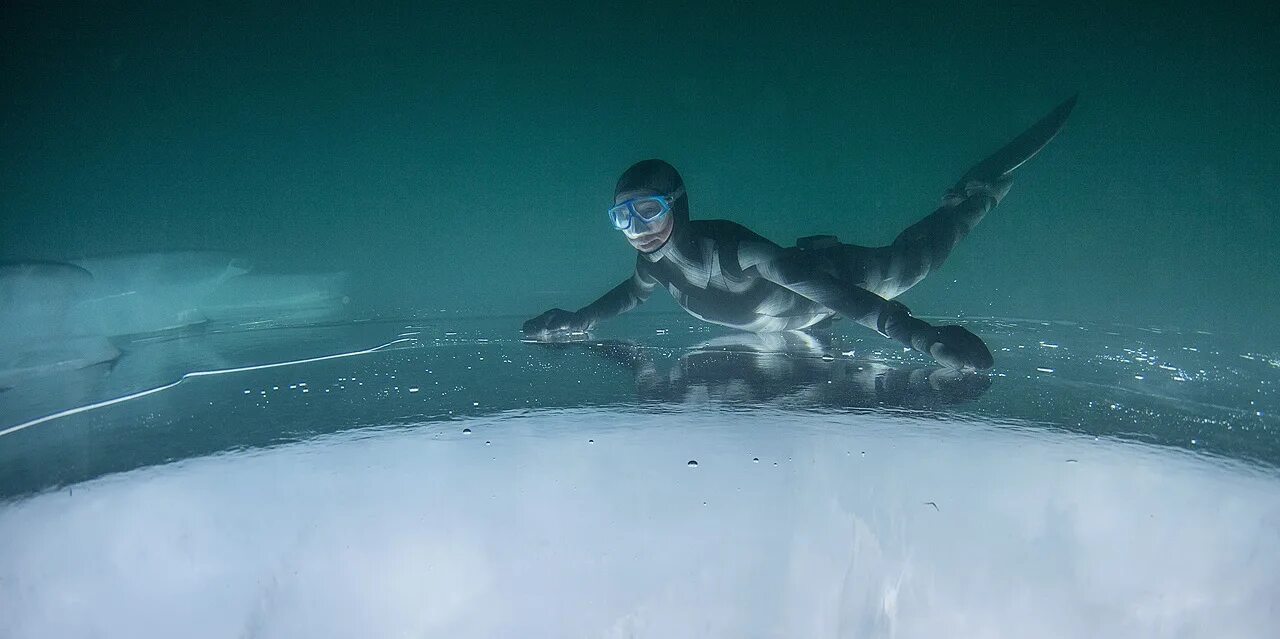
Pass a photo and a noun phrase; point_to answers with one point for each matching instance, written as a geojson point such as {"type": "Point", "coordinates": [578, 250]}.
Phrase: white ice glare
{"type": "Point", "coordinates": [59, 316]}
{"type": "Point", "coordinates": [36, 337]}
{"type": "Point", "coordinates": [294, 297]}
{"type": "Point", "coordinates": [145, 292]}
{"type": "Point", "coordinates": [866, 527]}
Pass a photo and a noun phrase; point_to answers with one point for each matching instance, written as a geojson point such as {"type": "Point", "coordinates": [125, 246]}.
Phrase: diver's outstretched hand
{"type": "Point", "coordinates": [956, 347]}
{"type": "Point", "coordinates": [552, 322]}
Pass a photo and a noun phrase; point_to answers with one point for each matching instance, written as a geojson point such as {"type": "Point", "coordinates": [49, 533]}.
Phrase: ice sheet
{"type": "Point", "coordinates": [1193, 391]}
{"type": "Point", "coordinates": [62, 316]}
{"type": "Point", "coordinates": [35, 297]}
{"type": "Point", "coordinates": [319, 480]}
{"type": "Point", "coordinates": [36, 337]}
{"type": "Point", "coordinates": [279, 297]}
{"type": "Point", "coordinates": [147, 292]}
{"type": "Point", "coordinates": [591, 523]}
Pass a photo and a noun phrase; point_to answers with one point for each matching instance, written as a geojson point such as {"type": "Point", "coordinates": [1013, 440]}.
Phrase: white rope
{"type": "Point", "coordinates": [223, 371]}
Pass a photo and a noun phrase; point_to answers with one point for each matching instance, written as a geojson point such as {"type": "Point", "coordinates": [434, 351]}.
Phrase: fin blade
{"type": "Point", "coordinates": [1022, 148]}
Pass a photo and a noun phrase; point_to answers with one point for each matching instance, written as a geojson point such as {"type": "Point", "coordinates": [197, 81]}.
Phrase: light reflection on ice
{"type": "Point", "coordinates": [427, 532]}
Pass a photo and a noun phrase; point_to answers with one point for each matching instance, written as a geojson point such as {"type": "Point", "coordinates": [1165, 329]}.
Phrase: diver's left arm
{"type": "Point", "coordinates": [952, 346]}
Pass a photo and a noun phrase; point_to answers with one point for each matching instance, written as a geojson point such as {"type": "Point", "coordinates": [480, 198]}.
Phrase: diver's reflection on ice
{"type": "Point", "coordinates": [790, 368]}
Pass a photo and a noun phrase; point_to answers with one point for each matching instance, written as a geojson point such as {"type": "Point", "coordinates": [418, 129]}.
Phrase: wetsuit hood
{"type": "Point", "coordinates": [660, 178]}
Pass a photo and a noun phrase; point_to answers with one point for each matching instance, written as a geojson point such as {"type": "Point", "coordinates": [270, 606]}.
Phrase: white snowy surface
{"type": "Point", "coordinates": [430, 532]}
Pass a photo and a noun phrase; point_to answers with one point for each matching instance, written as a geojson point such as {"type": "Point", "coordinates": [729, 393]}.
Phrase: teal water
{"type": "Point", "coordinates": [409, 145]}
{"type": "Point", "coordinates": [262, 273]}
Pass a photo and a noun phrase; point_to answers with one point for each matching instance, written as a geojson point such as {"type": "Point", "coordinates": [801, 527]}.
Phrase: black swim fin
{"type": "Point", "coordinates": [1022, 148]}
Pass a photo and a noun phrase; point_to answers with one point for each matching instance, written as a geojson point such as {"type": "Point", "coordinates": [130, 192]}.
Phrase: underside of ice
{"type": "Point", "coordinates": [441, 478]}
{"type": "Point", "coordinates": [147, 292]}
{"type": "Point", "coordinates": [38, 337]}
{"type": "Point", "coordinates": [851, 527]}
{"type": "Point", "coordinates": [59, 316]}
{"type": "Point", "coordinates": [36, 296]}
{"type": "Point", "coordinates": [285, 297]}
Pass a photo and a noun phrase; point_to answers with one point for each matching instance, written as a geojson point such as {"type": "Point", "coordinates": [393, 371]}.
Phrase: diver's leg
{"type": "Point", "coordinates": [924, 246]}
{"type": "Point", "coordinates": [890, 270]}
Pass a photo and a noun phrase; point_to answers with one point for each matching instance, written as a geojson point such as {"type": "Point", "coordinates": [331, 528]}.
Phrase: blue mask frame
{"type": "Point", "coordinates": [621, 216]}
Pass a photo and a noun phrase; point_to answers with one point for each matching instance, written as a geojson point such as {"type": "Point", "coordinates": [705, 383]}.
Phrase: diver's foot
{"type": "Point", "coordinates": [958, 348]}
{"type": "Point", "coordinates": [993, 190]}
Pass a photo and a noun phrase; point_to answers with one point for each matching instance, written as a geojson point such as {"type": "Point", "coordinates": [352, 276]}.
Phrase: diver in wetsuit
{"type": "Point", "coordinates": [722, 272]}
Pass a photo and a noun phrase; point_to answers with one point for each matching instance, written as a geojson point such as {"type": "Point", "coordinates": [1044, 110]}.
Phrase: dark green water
{"type": "Point", "coordinates": [413, 145]}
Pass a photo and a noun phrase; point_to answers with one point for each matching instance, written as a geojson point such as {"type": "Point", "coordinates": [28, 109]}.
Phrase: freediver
{"type": "Point", "coordinates": [721, 272]}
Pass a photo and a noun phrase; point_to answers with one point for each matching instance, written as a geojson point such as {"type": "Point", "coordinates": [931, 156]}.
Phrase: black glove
{"type": "Point", "coordinates": [556, 320]}
{"type": "Point", "coordinates": [954, 347]}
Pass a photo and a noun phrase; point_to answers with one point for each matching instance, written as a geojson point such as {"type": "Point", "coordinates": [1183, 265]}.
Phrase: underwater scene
{"type": "Point", "coordinates": [569, 319]}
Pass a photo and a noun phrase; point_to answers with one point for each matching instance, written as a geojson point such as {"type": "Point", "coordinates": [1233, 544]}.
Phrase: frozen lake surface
{"type": "Point", "coordinates": [662, 479]}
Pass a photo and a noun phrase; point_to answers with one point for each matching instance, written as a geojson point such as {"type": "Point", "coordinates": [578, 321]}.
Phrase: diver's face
{"type": "Point", "coordinates": [646, 237]}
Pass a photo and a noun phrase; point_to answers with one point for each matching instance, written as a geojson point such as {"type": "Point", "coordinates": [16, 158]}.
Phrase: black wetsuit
{"type": "Point", "coordinates": [724, 273]}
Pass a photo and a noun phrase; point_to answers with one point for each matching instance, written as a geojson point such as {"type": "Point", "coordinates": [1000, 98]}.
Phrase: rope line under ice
{"type": "Point", "coordinates": [186, 376]}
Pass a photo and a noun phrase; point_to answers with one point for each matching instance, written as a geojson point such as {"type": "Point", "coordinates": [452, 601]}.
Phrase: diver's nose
{"type": "Point", "coordinates": [637, 230]}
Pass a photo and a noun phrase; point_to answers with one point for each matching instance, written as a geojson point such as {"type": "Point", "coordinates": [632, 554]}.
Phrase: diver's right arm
{"type": "Point", "coordinates": [622, 298]}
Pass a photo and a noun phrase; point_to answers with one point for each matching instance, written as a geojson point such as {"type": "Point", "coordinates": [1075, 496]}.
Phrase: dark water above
{"type": "Point", "coordinates": [427, 150]}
